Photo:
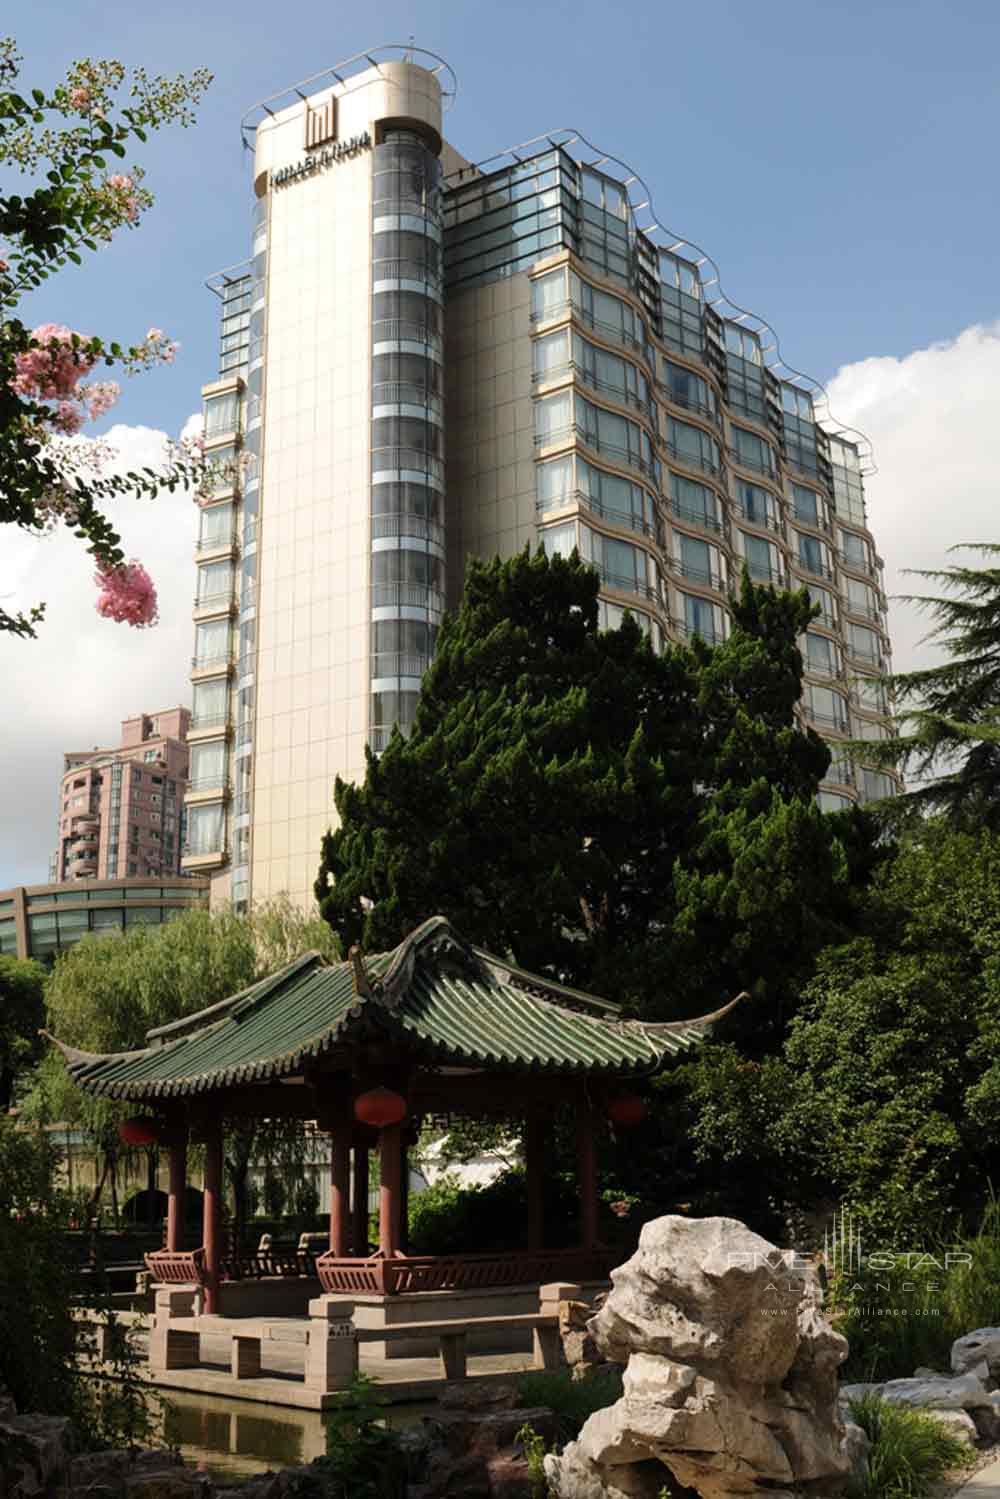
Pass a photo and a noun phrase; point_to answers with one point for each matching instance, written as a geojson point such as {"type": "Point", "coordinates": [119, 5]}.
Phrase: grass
{"type": "Point", "coordinates": [909, 1450]}
{"type": "Point", "coordinates": [570, 1400]}
{"type": "Point", "coordinates": [893, 1332]}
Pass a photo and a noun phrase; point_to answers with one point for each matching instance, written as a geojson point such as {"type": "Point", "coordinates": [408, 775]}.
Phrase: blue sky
{"type": "Point", "coordinates": [837, 161]}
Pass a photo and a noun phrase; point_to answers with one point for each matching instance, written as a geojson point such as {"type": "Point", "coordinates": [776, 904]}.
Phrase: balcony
{"type": "Point", "coordinates": [195, 857]}
{"type": "Point", "coordinates": [755, 466]}
{"type": "Point", "coordinates": [815, 522]}
{"type": "Point", "coordinates": [698, 518]}
{"type": "Point", "coordinates": [710, 636]}
{"type": "Point", "coordinates": [826, 722]}
{"type": "Point", "coordinates": [407, 393]}
{"type": "Point", "coordinates": [705, 409]}
{"type": "Point", "coordinates": [407, 596]}
{"type": "Point", "coordinates": [408, 523]}
{"type": "Point", "coordinates": [209, 604]}
{"type": "Point", "coordinates": [222, 546]}
{"type": "Point", "coordinates": [211, 666]}
{"type": "Point", "coordinates": [624, 583]}
{"type": "Point", "coordinates": [858, 565]}
{"type": "Point", "coordinates": [765, 522]}
{"type": "Point", "coordinates": [703, 577]}
{"type": "Point", "coordinates": [401, 330]}
{"type": "Point", "coordinates": [705, 464]}
{"type": "Point", "coordinates": [398, 664]}
{"type": "Point", "coordinates": [814, 569]}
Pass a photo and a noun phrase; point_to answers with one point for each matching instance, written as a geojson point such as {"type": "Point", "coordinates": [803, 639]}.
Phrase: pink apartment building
{"type": "Point", "coordinates": [121, 810]}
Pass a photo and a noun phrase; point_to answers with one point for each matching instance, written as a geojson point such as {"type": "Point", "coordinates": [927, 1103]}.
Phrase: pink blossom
{"type": "Point", "coordinates": [124, 188]}
{"type": "Point", "coordinates": [79, 98]}
{"type": "Point", "coordinates": [127, 594]}
{"type": "Point", "coordinates": [100, 397]}
{"type": "Point", "coordinates": [154, 335]}
{"type": "Point", "coordinates": [51, 370]}
{"type": "Point", "coordinates": [68, 418]}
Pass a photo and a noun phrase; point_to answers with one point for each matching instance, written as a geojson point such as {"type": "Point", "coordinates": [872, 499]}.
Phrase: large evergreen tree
{"type": "Point", "coordinates": [949, 723]}
{"type": "Point", "coordinates": [641, 824]}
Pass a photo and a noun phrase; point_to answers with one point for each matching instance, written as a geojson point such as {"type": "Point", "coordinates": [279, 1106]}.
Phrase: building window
{"type": "Point", "coordinates": [692, 446]}
{"type": "Point", "coordinates": [701, 617]}
{"type": "Point", "coordinates": [694, 502]}
{"type": "Point", "coordinates": [752, 451]}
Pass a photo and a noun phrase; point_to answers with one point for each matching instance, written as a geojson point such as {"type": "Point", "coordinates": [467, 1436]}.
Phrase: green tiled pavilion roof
{"type": "Point", "coordinates": [434, 996]}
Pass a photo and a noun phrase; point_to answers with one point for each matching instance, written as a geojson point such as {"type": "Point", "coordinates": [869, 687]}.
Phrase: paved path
{"type": "Point", "coordinates": [982, 1485]}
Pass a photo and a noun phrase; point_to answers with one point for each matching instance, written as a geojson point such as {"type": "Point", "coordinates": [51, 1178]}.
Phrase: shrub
{"type": "Point", "coordinates": [570, 1400]}
{"type": "Point", "coordinates": [909, 1449]}
{"type": "Point", "coordinates": [448, 1217]}
{"type": "Point", "coordinates": [947, 1301]}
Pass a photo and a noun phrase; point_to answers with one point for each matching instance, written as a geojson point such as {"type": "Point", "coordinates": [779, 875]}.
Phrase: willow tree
{"type": "Point", "coordinates": [108, 991]}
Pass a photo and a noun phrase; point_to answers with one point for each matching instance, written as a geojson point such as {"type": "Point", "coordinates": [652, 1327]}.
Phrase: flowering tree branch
{"type": "Point", "coordinates": [49, 476]}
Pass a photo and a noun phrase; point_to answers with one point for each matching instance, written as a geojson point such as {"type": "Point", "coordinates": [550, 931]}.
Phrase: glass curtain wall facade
{"type": "Point", "coordinates": [665, 448]}
{"type": "Point", "coordinates": [407, 440]}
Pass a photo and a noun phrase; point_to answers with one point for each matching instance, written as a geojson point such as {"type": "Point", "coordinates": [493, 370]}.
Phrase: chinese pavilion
{"type": "Point", "coordinates": [365, 1047]}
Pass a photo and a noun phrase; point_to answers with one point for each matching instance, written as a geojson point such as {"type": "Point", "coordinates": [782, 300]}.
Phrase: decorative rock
{"type": "Point", "coordinates": [961, 1392]}
{"type": "Point", "coordinates": [857, 1447]}
{"type": "Point", "coordinates": [981, 1346]}
{"type": "Point", "coordinates": [959, 1423]}
{"type": "Point", "coordinates": [731, 1377]}
{"type": "Point", "coordinates": [849, 1392]}
{"type": "Point", "coordinates": [987, 1418]}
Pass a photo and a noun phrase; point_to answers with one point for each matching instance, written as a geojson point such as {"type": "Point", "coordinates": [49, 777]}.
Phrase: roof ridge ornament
{"type": "Point", "coordinates": [362, 983]}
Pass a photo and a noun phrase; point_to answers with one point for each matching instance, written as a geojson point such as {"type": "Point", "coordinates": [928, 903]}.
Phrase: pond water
{"type": "Point", "coordinates": [234, 1439]}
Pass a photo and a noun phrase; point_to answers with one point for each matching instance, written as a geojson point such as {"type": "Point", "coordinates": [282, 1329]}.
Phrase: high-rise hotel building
{"type": "Point", "coordinates": [426, 360]}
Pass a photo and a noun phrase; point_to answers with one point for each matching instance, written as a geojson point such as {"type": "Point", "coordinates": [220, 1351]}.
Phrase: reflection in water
{"type": "Point", "coordinates": [233, 1439]}
{"type": "Point", "coordinates": [220, 1436]}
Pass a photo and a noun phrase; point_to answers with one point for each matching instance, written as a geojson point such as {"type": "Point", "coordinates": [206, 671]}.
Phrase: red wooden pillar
{"type": "Point", "coordinates": [359, 1235]}
{"type": "Point", "coordinates": [587, 1174]}
{"type": "Point", "coordinates": [390, 1190]}
{"type": "Point", "coordinates": [340, 1181]}
{"type": "Point", "coordinates": [212, 1214]}
{"type": "Point", "coordinates": [534, 1168]}
{"type": "Point", "coordinates": [176, 1184]}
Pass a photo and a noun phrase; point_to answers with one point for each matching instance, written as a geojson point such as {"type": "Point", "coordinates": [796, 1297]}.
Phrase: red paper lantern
{"type": "Point", "coordinates": [627, 1110]}
{"type": "Point", "coordinates": [380, 1107]}
{"type": "Point", "coordinates": [139, 1131]}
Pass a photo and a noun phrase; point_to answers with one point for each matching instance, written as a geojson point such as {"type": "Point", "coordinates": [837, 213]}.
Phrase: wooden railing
{"type": "Point", "coordinates": [177, 1267]}
{"type": "Point", "coordinates": [379, 1276]}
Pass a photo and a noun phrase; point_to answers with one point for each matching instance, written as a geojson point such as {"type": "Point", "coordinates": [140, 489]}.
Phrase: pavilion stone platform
{"type": "Point", "coordinates": [368, 1048]}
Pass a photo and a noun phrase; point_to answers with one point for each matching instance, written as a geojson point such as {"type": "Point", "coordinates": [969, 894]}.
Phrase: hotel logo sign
{"type": "Point", "coordinates": [317, 160]}
{"type": "Point", "coordinates": [321, 123]}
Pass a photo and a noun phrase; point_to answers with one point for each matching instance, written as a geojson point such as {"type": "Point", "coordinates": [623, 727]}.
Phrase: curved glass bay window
{"type": "Point", "coordinates": [684, 388]}
{"type": "Point", "coordinates": [407, 436]}
{"type": "Point", "coordinates": [572, 480]}
{"type": "Point", "coordinates": [762, 557]}
{"type": "Point", "coordinates": [690, 445]}
{"type": "Point", "coordinates": [699, 561]}
{"type": "Point", "coordinates": [205, 829]}
{"type": "Point", "coordinates": [757, 505]}
{"type": "Point", "coordinates": [825, 708]}
{"type": "Point", "coordinates": [700, 616]}
{"type": "Point", "coordinates": [695, 503]}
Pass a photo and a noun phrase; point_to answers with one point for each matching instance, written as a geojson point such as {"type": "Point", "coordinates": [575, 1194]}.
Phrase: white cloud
{"type": "Point", "coordinates": [70, 688]}
{"type": "Point", "coordinates": [932, 418]}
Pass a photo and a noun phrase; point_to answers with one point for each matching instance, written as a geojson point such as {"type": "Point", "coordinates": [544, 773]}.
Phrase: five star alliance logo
{"type": "Point", "coordinates": [842, 1245]}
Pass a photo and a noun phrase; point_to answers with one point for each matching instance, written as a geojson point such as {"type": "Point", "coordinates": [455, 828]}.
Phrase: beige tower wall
{"type": "Point", "coordinates": [490, 433]}
{"type": "Point", "coordinates": [313, 588]}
